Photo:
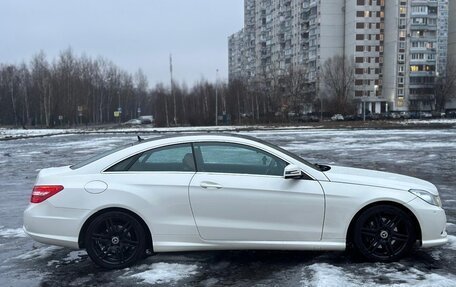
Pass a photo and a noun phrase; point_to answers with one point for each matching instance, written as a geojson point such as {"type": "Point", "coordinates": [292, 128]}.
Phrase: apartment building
{"type": "Point", "coordinates": [442, 36]}
{"type": "Point", "coordinates": [452, 42]}
{"type": "Point", "coordinates": [364, 42]}
{"type": "Point", "coordinates": [398, 47]}
{"type": "Point", "coordinates": [452, 31]}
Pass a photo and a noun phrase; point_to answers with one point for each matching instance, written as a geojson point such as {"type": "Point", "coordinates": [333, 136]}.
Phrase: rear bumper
{"type": "Point", "coordinates": [432, 220]}
{"type": "Point", "coordinates": [50, 225]}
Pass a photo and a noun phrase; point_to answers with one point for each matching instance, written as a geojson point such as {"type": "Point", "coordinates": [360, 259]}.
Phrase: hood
{"type": "Point", "coordinates": [378, 178]}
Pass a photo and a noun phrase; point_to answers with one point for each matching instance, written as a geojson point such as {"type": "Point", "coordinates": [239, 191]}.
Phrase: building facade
{"type": "Point", "coordinates": [397, 47]}
{"type": "Point", "coordinates": [452, 31]}
{"type": "Point", "coordinates": [452, 43]}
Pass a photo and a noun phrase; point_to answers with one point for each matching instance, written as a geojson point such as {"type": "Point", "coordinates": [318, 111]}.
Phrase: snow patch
{"type": "Point", "coordinates": [38, 253]}
{"type": "Point", "coordinates": [451, 242]}
{"type": "Point", "coordinates": [75, 256]}
{"type": "Point", "coordinates": [12, 232]}
{"type": "Point", "coordinates": [397, 275]}
{"type": "Point", "coordinates": [432, 121]}
{"type": "Point", "coordinates": [329, 276]}
{"type": "Point", "coordinates": [52, 262]}
{"type": "Point", "coordinates": [161, 272]}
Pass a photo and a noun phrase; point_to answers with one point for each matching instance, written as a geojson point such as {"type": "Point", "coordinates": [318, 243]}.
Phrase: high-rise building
{"type": "Point", "coordinates": [452, 44]}
{"type": "Point", "coordinates": [236, 60]}
{"type": "Point", "coordinates": [442, 36]}
{"type": "Point", "coordinates": [398, 47]}
{"type": "Point", "coordinates": [364, 43]}
{"type": "Point", "coordinates": [452, 31]}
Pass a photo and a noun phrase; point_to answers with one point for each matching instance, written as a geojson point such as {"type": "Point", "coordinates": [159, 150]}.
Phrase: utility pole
{"type": "Point", "coordinates": [172, 88]}
{"type": "Point", "coordinates": [216, 97]}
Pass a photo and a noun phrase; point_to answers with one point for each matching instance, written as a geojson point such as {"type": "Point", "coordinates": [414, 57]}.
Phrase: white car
{"type": "Point", "coordinates": [337, 117]}
{"type": "Point", "coordinates": [213, 192]}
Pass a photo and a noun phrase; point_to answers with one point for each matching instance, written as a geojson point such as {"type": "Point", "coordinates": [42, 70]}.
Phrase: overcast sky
{"type": "Point", "coordinates": [132, 33]}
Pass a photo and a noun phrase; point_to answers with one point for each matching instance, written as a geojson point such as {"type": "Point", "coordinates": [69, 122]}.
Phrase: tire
{"type": "Point", "coordinates": [384, 233]}
{"type": "Point", "coordinates": [115, 240]}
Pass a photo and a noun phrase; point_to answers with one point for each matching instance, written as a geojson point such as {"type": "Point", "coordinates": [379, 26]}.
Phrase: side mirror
{"type": "Point", "coordinates": [292, 172]}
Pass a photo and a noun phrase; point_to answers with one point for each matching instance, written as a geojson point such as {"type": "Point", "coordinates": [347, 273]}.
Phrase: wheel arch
{"type": "Point", "coordinates": [149, 242]}
{"type": "Point", "coordinates": [416, 224]}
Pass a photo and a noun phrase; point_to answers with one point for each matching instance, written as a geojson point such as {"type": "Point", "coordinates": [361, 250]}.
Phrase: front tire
{"type": "Point", "coordinates": [384, 233]}
{"type": "Point", "coordinates": [115, 240]}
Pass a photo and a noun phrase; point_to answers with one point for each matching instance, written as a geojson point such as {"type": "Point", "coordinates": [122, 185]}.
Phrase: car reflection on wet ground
{"type": "Point", "coordinates": [424, 153]}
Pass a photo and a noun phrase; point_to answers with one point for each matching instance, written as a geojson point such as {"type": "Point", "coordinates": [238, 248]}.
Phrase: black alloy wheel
{"type": "Point", "coordinates": [384, 233]}
{"type": "Point", "coordinates": [115, 240]}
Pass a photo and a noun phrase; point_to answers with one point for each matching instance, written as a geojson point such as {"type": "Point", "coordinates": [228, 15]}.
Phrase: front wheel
{"type": "Point", "coordinates": [384, 233]}
{"type": "Point", "coordinates": [115, 240]}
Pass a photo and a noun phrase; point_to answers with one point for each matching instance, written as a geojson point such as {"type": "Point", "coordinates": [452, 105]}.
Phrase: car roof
{"type": "Point", "coordinates": [198, 135]}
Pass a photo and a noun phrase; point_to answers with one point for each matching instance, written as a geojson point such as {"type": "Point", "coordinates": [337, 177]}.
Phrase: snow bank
{"type": "Point", "coordinates": [429, 121]}
{"type": "Point", "coordinates": [21, 133]}
{"type": "Point", "coordinates": [12, 233]}
{"type": "Point", "coordinates": [160, 273]}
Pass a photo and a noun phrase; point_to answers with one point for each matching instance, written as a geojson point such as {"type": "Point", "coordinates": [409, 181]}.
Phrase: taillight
{"type": "Point", "coordinates": [42, 192]}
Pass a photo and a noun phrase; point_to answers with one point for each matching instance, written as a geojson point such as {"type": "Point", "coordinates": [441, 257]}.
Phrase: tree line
{"type": "Point", "coordinates": [78, 90]}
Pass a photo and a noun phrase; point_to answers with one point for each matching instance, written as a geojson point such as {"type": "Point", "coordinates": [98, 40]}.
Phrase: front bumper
{"type": "Point", "coordinates": [432, 220]}
{"type": "Point", "coordinates": [51, 225]}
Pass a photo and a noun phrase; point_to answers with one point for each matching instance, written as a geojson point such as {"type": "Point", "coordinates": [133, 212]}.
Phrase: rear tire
{"type": "Point", "coordinates": [115, 240]}
{"type": "Point", "coordinates": [384, 233]}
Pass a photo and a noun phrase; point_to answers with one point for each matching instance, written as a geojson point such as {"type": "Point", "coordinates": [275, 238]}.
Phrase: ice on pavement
{"type": "Point", "coordinates": [12, 232]}
{"type": "Point", "coordinates": [161, 272]}
{"type": "Point", "coordinates": [327, 275]}
{"type": "Point", "coordinates": [75, 256]}
{"type": "Point", "coordinates": [39, 253]}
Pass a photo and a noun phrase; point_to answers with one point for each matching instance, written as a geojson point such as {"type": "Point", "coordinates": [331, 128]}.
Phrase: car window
{"type": "Point", "coordinates": [236, 158]}
{"type": "Point", "coordinates": [100, 156]}
{"type": "Point", "coordinates": [170, 158]}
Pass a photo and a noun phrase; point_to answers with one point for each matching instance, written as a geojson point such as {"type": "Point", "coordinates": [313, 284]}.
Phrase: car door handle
{"type": "Point", "coordinates": [210, 185]}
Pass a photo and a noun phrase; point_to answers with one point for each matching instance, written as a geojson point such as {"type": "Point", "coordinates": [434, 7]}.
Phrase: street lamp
{"type": "Point", "coordinates": [216, 97]}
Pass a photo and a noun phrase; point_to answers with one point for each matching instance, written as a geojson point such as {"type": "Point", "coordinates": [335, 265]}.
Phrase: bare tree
{"type": "Point", "coordinates": [445, 86]}
{"type": "Point", "coordinates": [295, 87]}
{"type": "Point", "coordinates": [338, 75]}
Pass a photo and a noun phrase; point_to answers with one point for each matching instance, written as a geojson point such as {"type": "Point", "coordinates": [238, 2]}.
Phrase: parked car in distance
{"type": "Point", "coordinates": [223, 192]}
{"type": "Point", "coordinates": [309, 118]}
{"type": "Point", "coordinates": [337, 117]}
{"type": "Point", "coordinates": [146, 120]}
{"type": "Point", "coordinates": [132, 122]}
{"type": "Point", "coordinates": [425, 115]}
{"type": "Point", "coordinates": [353, 117]}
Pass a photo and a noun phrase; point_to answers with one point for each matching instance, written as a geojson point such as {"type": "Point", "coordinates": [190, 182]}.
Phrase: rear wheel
{"type": "Point", "coordinates": [115, 240]}
{"type": "Point", "coordinates": [384, 233]}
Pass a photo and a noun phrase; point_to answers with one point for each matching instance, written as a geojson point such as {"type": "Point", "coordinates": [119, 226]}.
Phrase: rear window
{"type": "Point", "coordinates": [177, 157]}
{"type": "Point", "coordinates": [100, 156]}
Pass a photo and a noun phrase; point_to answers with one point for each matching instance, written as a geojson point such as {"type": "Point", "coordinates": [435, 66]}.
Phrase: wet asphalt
{"type": "Point", "coordinates": [424, 153]}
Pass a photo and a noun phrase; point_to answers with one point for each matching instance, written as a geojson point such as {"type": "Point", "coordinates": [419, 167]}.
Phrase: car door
{"type": "Point", "coordinates": [239, 194]}
{"type": "Point", "coordinates": [157, 180]}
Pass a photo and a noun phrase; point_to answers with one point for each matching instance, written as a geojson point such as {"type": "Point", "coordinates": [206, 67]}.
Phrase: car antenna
{"type": "Point", "coordinates": [140, 139]}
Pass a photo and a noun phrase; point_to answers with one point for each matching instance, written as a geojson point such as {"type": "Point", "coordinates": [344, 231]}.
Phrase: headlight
{"type": "Point", "coordinates": [427, 196]}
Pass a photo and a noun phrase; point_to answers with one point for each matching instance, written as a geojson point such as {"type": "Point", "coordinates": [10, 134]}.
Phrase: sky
{"type": "Point", "coordinates": [132, 33]}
